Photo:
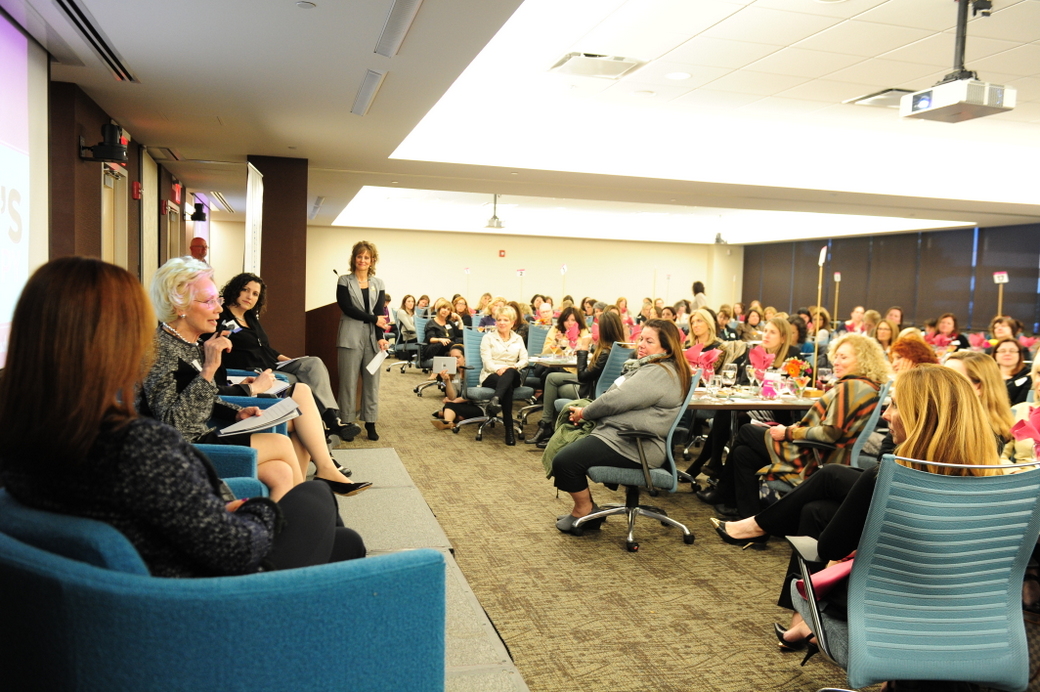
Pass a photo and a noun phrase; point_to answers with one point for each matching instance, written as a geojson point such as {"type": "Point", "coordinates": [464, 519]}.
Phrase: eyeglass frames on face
{"type": "Point", "coordinates": [212, 302]}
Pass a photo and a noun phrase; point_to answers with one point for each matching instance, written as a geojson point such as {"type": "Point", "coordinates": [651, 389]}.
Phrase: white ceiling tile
{"type": "Point", "coordinates": [979, 47]}
{"type": "Point", "coordinates": [708, 99]}
{"type": "Point", "coordinates": [640, 94]}
{"type": "Point", "coordinates": [763, 25]}
{"type": "Point", "coordinates": [717, 52]}
{"type": "Point", "coordinates": [654, 73]}
{"type": "Point", "coordinates": [803, 63]}
{"type": "Point", "coordinates": [828, 91]}
{"type": "Point", "coordinates": [773, 106]}
{"type": "Point", "coordinates": [1028, 89]}
{"type": "Point", "coordinates": [936, 50]}
{"type": "Point", "coordinates": [1026, 112]}
{"type": "Point", "coordinates": [1019, 22]}
{"type": "Point", "coordinates": [748, 82]}
{"type": "Point", "coordinates": [935, 15]}
{"type": "Point", "coordinates": [1021, 61]}
{"type": "Point", "coordinates": [881, 72]}
{"type": "Point", "coordinates": [841, 10]}
{"type": "Point", "coordinates": [863, 38]}
{"type": "Point", "coordinates": [647, 29]}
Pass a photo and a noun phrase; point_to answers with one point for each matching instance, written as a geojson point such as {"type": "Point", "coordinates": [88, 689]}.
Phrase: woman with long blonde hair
{"type": "Point", "coordinates": [984, 375]}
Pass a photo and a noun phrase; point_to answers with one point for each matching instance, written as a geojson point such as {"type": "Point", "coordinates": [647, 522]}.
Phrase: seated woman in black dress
{"type": "Point", "coordinates": [111, 464]}
{"type": "Point", "coordinates": [245, 297]}
{"type": "Point", "coordinates": [186, 380]}
{"type": "Point", "coordinates": [441, 331]}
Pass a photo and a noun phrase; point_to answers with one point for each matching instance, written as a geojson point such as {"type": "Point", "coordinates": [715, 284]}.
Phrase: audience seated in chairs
{"type": "Point", "coordinates": [406, 321]}
{"type": "Point", "coordinates": [184, 385]}
{"type": "Point", "coordinates": [462, 310]}
{"type": "Point", "coordinates": [503, 355]}
{"type": "Point", "coordinates": [245, 297]}
{"type": "Point", "coordinates": [137, 474]}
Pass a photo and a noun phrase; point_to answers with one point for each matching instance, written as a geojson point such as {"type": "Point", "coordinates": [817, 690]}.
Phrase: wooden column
{"type": "Point", "coordinates": [283, 254]}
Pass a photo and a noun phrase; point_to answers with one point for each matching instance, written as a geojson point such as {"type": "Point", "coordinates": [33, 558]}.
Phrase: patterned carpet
{"type": "Point", "coordinates": [582, 613]}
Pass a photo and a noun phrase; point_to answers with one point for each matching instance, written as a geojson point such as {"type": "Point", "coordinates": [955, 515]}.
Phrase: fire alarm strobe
{"type": "Point", "coordinates": [501, 253]}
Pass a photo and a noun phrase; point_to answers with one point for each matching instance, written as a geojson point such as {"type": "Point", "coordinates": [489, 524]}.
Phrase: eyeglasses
{"type": "Point", "coordinates": [212, 302]}
{"type": "Point", "coordinates": [1008, 353]}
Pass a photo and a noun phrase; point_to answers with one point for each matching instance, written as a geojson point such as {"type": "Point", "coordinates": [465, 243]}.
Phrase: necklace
{"type": "Point", "coordinates": [176, 333]}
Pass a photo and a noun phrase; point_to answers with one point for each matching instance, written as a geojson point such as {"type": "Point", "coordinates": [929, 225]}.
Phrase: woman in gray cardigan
{"type": "Point", "coordinates": [362, 329]}
{"type": "Point", "coordinates": [646, 397]}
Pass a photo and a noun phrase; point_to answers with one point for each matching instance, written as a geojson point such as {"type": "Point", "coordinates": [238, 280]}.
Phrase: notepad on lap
{"type": "Point", "coordinates": [283, 411]}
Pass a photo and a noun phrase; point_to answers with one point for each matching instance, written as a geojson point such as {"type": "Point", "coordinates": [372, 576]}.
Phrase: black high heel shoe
{"type": "Point", "coordinates": [813, 649]}
{"type": "Point", "coordinates": [786, 645]}
{"type": "Point", "coordinates": [757, 543]}
{"type": "Point", "coordinates": [344, 489]}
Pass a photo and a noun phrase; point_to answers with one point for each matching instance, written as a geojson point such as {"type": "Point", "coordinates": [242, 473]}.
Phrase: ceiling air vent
{"type": "Point", "coordinates": [593, 65]}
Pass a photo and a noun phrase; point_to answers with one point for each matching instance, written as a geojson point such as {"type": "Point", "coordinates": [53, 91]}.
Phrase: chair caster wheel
{"type": "Point", "coordinates": [688, 540]}
{"type": "Point", "coordinates": [479, 438]}
{"type": "Point", "coordinates": [632, 546]}
{"type": "Point", "coordinates": [577, 531]}
{"type": "Point", "coordinates": [455, 430]}
{"type": "Point", "coordinates": [687, 456]}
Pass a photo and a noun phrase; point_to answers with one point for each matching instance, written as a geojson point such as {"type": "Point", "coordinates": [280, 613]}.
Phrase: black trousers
{"type": "Point", "coordinates": [806, 511]}
{"type": "Point", "coordinates": [739, 481]}
{"type": "Point", "coordinates": [314, 533]}
{"type": "Point", "coordinates": [571, 464]}
{"type": "Point", "coordinates": [504, 385]}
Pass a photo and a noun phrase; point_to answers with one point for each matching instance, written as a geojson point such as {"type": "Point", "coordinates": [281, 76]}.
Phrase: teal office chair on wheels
{"type": "Point", "coordinates": [935, 591]}
{"type": "Point", "coordinates": [639, 480]}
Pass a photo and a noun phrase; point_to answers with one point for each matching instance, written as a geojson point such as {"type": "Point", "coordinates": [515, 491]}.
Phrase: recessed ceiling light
{"type": "Point", "coordinates": [643, 93]}
{"type": "Point", "coordinates": [304, 5]}
{"type": "Point", "coordinates": [393, 182]}
{"type": "Point", "coordinates": [677, 75]}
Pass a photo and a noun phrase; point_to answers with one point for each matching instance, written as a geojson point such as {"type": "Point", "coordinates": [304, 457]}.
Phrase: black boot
{"type": "Point", "coordinates": [510, 434]}
{"type": "Point", "coordinates": [371, 429]}
{"type": "Point", "coordinates": [545, 431]}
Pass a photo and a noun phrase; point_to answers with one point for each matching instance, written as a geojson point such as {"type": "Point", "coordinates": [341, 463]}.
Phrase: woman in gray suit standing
{"type": "Point", "coordinates": [361, 334]}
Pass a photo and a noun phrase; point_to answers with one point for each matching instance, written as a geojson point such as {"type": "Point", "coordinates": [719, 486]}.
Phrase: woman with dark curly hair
{"type": "Point", "coordinates": [245, 297]}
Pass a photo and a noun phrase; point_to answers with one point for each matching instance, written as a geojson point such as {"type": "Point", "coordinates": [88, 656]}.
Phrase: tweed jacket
{"type": "Point", "coordinates": [356, 325]}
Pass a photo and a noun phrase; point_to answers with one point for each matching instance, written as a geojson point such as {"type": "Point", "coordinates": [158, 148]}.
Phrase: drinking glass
{"type": "Point", "coordinates": [729, 375]}
{"type": "Point", "coordinates": [825, 375]}
{"type": "Point", "coordinates": [750, 371]}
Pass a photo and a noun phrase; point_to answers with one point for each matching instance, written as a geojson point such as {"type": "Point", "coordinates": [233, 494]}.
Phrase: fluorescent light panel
{"type": "Point", "coordinates": [398, 22]}
{"type": "Point", "coordinates": [367, 93]}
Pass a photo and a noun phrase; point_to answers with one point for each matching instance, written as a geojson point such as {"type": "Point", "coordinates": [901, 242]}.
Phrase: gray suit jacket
{"type": "Point", "coordinates": [356, 328]}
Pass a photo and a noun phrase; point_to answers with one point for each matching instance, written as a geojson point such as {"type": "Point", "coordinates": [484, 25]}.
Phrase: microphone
{"type": "Point", "coordinates": [335, 272]}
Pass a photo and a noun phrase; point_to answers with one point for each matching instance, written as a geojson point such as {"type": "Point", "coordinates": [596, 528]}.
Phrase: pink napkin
{"type": "Point", "coordinates": [699, 359]}
{"type": "Point", "coordinates": [1027, 341]}
{"type": "Point", "coordinates": [978, 340]}
{"type": "Point", "coordinates": [1028, 428]}
{"type": "Point", "coordinates": [572, 334]}
{"type": "Point", "coordinates": [760, 360]}
{"type": "Point", "coordinates": [636, 331]}
{"type": "Point", "coordinates": [938, 340]}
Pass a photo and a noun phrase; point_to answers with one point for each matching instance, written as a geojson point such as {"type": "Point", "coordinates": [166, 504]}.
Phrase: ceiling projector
{"type": "Point", "coordinates": [958, 100]}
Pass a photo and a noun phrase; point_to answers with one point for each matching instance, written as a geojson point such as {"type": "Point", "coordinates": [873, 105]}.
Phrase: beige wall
{"type": "Point", "coordinates": [226, 249]}
{"type": "Point", "coordinates": [434, 263]}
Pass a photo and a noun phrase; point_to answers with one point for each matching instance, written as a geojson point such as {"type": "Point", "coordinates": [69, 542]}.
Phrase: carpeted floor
{"type": "Point", "coordinates": [582, 613]}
